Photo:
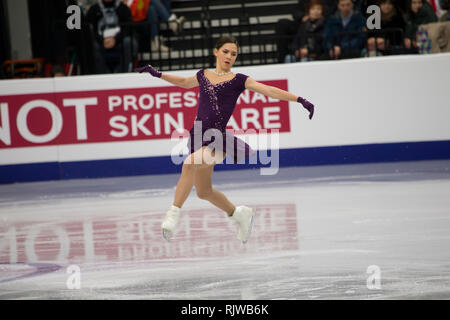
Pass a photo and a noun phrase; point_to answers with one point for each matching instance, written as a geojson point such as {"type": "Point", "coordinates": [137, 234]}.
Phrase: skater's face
{"type": "Point", "coordinates": [226, 55]}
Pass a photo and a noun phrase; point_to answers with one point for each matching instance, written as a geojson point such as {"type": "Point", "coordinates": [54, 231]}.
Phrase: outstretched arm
{"type": "Point", "coordinates": [269, 91]}
{"type": "Point", "coordinates": [184, 82]}
{"type": "Point", "coordinates": [278, 93]}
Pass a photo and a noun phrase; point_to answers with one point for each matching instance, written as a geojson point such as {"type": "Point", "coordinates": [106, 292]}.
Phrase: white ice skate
{"type": "Point", "coordinates": [244, 218]}
{"type": "Point", "coordinates": [170, 222]}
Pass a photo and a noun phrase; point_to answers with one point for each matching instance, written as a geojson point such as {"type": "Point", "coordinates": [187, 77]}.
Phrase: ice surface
{"type": "Point", "coordinates": [325, 232]}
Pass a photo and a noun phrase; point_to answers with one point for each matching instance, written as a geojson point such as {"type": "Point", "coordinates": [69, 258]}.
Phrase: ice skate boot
{"type": "Point", "coordinates": [170, 222]}
{"type": "Point", "coordinates": [244, 218]}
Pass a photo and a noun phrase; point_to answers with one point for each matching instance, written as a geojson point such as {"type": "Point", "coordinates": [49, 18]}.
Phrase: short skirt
{"type": "Point", "coordinates": [235, 148]}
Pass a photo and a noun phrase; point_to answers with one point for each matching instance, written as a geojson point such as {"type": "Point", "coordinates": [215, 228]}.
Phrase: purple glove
{"type": "Point", "coordinates": [307, 105]}
{"type": "Point", "coordinates": [148, 68]}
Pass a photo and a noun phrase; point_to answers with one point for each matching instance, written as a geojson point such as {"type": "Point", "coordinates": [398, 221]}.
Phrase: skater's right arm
{"type": "Point", "coordinates": [184, 82]}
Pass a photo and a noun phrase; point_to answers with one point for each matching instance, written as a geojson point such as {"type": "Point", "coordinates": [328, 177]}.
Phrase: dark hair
{"type": "Point", "coordinates": [315, 3]}
{"type": "Point", "coordinates": [226, 39]}
{"type": "Point", "coordinates": [57, 68]}
{"type": "Point", "coordinates": [409, 4]}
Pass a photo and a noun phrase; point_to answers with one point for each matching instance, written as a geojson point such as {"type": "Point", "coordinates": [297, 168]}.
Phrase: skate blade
{"type": "Point", "coordinates": [167, 234]}
{"type": "Point", "coordinates": [250, 227]}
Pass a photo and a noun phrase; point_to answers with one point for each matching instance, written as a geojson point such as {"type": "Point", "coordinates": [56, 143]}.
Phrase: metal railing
{"type": "Point", "coordinates": [352, 44]}
{"type": "Point", "coordinates": [193, 46]}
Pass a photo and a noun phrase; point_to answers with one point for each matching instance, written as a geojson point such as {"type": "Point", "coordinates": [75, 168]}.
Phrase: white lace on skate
{"type": "Point", "coordinates": [170, 222]}
{"type": "Point", "coordinates": [244, 218]}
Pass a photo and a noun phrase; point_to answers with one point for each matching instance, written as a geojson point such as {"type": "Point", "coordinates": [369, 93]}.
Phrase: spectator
{"type": "Point", "coordinates": [286, 29]}
{"type": "Point", "coordinates": [85, 5]}
{"type": "Point", "coordinates": [445, 7]}
{"type": "Point", "coordinates": [380, 41]}
{"type": "Point", "coordinates": [138, 8]}
{"type": "Point", "coordinates": [362, 6]}
{"type": "Point", "coordinates": [308, 43]}
{"type": "Point", "coordinates": [160, 11]}
{"type": "Point", "coordinates": [434, 37]}
{"type": "Point", "coordinates": [58, 71]}
{"type": "Point", "coordinates": [113, 48]}
{"type": "Point", "coordinates": [419, 12]}
{"type": "Point", "coordinates": [437, 9]}
{"type": "Point", "coordinates": [344, 32]}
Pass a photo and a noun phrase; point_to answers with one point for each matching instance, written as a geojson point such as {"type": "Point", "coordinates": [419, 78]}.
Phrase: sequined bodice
{"type": "Point", "coordinates": [216, 104]}
{"type": "Point", "coordinates": [217, 101]}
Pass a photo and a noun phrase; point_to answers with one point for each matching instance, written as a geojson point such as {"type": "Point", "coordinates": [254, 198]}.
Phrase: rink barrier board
{"type": "Point", "coordinates": [332, 155]}
{"type": "Point", "coordinates": [368, 127]}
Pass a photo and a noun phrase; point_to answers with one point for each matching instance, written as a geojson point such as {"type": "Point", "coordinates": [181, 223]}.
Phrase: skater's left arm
{"type": "Point", "coordinates": [278, 93]}
{"type": "Point", "coordinates": [269, 91]}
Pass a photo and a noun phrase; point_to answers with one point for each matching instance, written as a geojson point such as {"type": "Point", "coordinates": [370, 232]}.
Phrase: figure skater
{"type": "Point", "coordinates": [219, 91]}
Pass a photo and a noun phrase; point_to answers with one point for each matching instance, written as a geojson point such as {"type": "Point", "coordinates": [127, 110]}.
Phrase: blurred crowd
{"type": "Point", "coordinates": [114, 31]}
{"type": "Point", "coordinates": [111, 34]}
{"type": "Point", "coordinates": [337, 29]}
{"type": "Point", "coordinates": [115, 50]}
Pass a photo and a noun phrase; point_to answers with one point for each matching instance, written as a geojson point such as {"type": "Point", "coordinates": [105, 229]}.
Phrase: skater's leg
{"type": "Point", "coordinates": [184, 185]}
{"type": "Point", "coordinates": [201, 163]}
{"type": "Point", "coordinates": [186, 181]}
{"type": "Point", "coordinates": [205, 191]}
{"type": "Point", "coordinates": [242, 215]}
{"type": "Point", "coordinates": [204, 157]}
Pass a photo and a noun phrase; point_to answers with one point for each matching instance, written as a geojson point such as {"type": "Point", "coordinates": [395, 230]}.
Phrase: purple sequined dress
{"type": "Point", "coordinates": [215, 107]}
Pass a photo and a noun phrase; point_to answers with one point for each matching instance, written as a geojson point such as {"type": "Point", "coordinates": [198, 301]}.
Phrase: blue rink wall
{"type": "Point", "coordinates": [410, 151]}
{"type": "Point", "coordinates": [367, 110]}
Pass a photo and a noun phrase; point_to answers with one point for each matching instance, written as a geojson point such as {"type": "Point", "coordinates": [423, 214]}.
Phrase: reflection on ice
{"type": "Point", "coordinates": [202, 233]}
{"type": "Point", "coordinates": [316, 233]}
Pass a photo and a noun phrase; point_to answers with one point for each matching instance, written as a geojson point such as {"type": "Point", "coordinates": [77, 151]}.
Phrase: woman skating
{"type": "Point", "coordinates": [219, 91]}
